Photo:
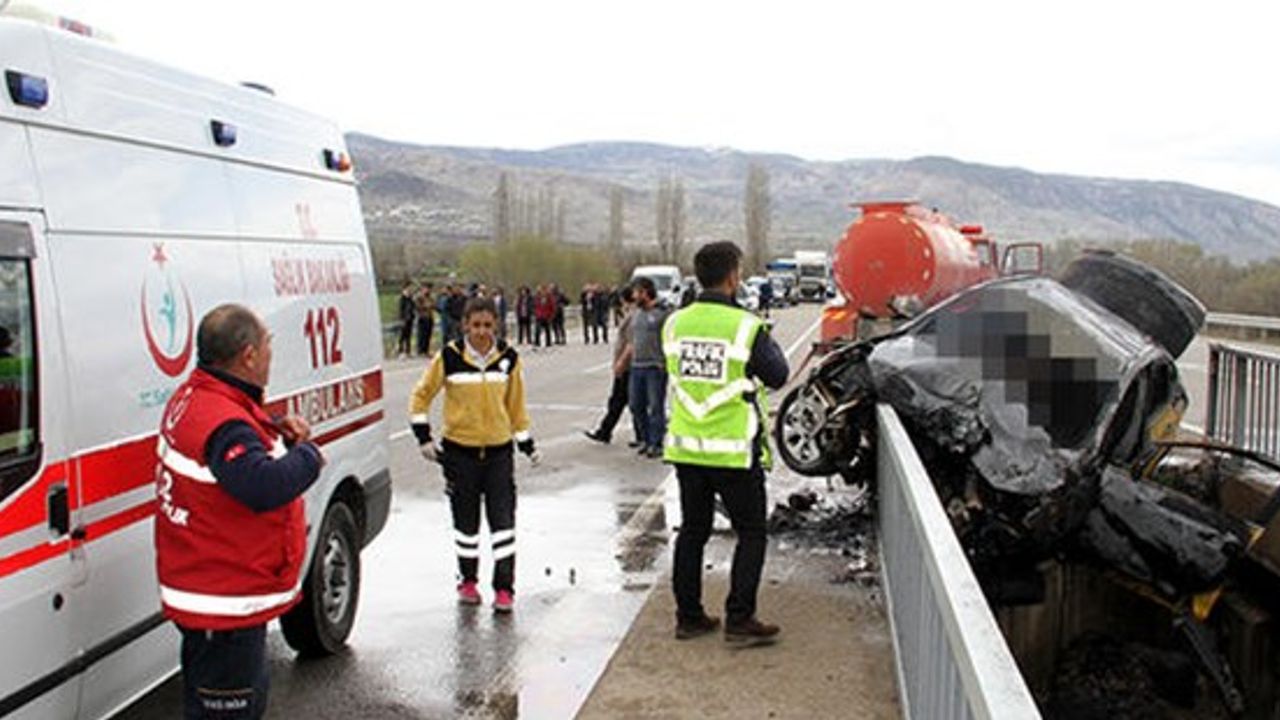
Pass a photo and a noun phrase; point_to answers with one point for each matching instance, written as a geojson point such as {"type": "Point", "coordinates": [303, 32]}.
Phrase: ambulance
{"type": "Point", "coordinates": [133, 199]}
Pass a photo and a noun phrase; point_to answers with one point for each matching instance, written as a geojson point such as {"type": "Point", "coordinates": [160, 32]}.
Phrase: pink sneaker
{"type": "Point", "coordinates": [503, 601]}
{"type": "Point", "coordinates": [468, 594]}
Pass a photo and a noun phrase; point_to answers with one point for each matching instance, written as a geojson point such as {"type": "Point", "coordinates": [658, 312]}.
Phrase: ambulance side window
{"type": "Point", "coordinates": [19, 398]}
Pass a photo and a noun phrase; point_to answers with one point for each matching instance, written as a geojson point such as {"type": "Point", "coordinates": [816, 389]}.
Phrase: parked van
{"type": "Point", "coordinates": [133, 199]}
{"type": "Point", "coordinates": [667, 280]}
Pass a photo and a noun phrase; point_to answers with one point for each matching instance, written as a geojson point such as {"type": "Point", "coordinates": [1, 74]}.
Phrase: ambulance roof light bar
{"type": "Point", "coordinates": [39, 15]}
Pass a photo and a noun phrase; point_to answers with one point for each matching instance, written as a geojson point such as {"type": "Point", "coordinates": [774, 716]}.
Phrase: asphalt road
{"type": "Point", "coordinates": [591, 537]}
{"type": "Point", "coordinates": [592, 534]}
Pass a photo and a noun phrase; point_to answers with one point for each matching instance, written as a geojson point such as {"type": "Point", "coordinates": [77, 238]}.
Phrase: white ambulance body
{"type": "Point", "coordinates": [133, 199]}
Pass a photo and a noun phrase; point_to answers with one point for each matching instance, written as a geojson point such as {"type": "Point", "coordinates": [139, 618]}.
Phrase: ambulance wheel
{"type": "Point", "coordinates": [320, 623]}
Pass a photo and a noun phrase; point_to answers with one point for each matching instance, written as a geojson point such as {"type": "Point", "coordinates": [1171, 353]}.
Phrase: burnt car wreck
{"type": "Point", "coordinates": [1041, 409]}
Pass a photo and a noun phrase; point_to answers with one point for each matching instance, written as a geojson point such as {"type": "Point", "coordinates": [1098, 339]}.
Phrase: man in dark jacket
{"type": "Point", "coordinates": [407, 312]}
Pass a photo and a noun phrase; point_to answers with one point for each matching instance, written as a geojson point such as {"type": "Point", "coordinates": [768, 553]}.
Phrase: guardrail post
{"type": "Point", "coordinates": [1240, 401]}
{"type": "Point", "coordinates": [1211, 408]}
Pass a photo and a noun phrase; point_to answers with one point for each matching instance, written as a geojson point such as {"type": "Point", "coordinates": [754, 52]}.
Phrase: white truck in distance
{"type": "Point", "coordinates": [666, 278]}
{"type": "Point", "coordinates": [813, 267]}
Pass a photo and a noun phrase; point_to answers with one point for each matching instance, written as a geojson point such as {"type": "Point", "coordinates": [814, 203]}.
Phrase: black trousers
{"type": "Point", "coordinates": [744, 499]}
{"type": "Point", "coordinates": [524, 330]}
{"type": "Point", "coordinates": [224, 673]}
{"type": "Point", "coordinates": [618, 401]}
{"type": "Point", "coordinates": [406, 335]}
{"type": "Point", "coordinates": [476, 477]}
{"type": "Point", "coordinates": [424, 335]}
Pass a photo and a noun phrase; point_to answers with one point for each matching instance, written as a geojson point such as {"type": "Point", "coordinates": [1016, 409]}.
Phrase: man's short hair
{"type": "Point", "coordinates": [224, 332]}
{"type": "Point", "coordinates": [645, 284]}
{"type": "Point", "coordinates": [625, 294]}
{"type": "Point", "coordinates": [715, 261]}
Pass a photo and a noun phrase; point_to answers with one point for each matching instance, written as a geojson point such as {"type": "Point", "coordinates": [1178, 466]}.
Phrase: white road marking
{"type": "Point", "coordinates": [597, 368]}
{"type": "Point", "coordinates": [803, 337]}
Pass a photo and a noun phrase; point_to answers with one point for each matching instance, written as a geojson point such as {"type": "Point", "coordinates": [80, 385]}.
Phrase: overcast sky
{"type": "Point", "coordinates": [1135, 89]}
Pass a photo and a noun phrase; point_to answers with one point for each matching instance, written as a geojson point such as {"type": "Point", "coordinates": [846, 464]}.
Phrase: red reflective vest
{"type": "Point", "coordinates": [221, 565]}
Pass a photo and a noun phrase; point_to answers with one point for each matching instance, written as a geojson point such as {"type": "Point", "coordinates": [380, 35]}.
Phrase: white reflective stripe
{"type": "Point", "coordinates": [729, 392]}
{"type": "Point", "coordinates": [419, 419]}
{"type": "Point", "coordinates": [522, 436]}
{"type": "Point", "coordinates": [183, 465]}
{"type": "Point", "coordinates": [469, 553]}
{"type": "Point", "coordinates": [708, 445]}
{"type": "Point", "coordinates": [469, 378]}
{"type": "Point", "coordinates": [504, 552]}
{"type": "Point", "coordinates": [503, 536]}
{"type": "Point", "coordinates": [225, 605]}
{"type": "Point", "coordinates": [464, 539]}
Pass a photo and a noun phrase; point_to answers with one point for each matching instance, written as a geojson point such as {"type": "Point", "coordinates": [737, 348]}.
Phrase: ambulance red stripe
{"type": "Point", "coordinates": [119, 469]}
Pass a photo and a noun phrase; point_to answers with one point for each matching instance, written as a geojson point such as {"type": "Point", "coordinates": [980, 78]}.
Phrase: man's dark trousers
{"type": "Point", "coordinates": [619, 398]}
{"type": "Point", "coordinates": [224, 673]}
{"type": "Point", "coordinates": [424, 334]}
{"type": "Point", "coordinates": [744, 499]}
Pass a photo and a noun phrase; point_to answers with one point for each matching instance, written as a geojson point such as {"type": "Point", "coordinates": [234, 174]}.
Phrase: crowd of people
{"type": "Point", "coordinates": [223, 454]}
{"type": "Point", "coordinates": [539, 314]}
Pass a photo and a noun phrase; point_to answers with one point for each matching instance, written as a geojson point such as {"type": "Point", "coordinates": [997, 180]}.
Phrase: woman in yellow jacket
{"type": "Point", "coordinates": [484, 417]}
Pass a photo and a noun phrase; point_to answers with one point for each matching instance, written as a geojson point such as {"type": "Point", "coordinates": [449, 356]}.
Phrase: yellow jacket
{"type": "Point", "coordinates": [483, 399]}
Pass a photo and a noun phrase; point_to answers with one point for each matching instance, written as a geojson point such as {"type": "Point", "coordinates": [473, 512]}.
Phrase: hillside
{"type": "Point", "coordinates": [444, 194]}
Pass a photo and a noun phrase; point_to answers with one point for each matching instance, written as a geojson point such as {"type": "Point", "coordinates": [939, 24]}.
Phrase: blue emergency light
{"type": "Point", "coordinates": [27, 90]}
{"type": "Point", "coordinates": [224, 133]}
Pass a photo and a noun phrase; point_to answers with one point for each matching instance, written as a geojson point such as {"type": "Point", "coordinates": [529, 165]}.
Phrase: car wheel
{"type": "Point", "coordinates": [320, 623]}
{"type": "Point", "coordinates": [801, 434]}
{"type": "Point", "coordinates": [1141, 295]}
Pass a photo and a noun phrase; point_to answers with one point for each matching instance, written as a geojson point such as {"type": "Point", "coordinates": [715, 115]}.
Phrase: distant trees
{"type": "Point", "coordinates": [530, 260]}
{"type": "Point", "coordinates": [669, 218]}
{"type": "Point", "coordinates": [758, 209]}
{"type": "Point", "coordinates": [502, 210]}
{"type": "Point", "coordinates": [614, 242]}
{"type": "Point", "coordinates": [520, 211]}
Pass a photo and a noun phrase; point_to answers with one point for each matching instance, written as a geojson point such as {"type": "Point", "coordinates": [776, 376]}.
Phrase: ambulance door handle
{"type": "Point", "coordinates": [59, 510]}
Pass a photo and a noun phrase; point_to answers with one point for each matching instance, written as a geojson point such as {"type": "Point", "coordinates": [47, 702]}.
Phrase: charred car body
{"type": "Point", "coordinates": [1037, 405]}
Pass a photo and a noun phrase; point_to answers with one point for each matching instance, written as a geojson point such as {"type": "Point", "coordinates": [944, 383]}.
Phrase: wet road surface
{"type": "Point", "coordinates": [592, 532]}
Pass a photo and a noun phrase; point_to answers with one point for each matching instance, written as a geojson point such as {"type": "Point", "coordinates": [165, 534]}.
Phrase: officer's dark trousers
{"type": "Point", "coordinates": [475, 476]}
{"type": "Point", "coordinates": [744, 499]}
{"type": "Point", "coordinates": [224, 673]}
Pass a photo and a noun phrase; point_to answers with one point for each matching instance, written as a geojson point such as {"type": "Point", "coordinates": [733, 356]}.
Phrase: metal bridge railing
{"type": "Point", "coordinates": [952, 659]}
{"type": "Point", "coordinates": [1244, 399]}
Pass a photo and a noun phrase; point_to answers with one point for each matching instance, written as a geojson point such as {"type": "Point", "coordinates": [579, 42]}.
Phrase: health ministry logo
{"type": "Point", "coordinates": [168, 326]}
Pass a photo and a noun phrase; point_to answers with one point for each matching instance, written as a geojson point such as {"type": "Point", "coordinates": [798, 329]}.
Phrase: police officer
{"type": "Point", "coordinates": [718, 355]}
{"type": "Point", "coordinates": [230, 531]}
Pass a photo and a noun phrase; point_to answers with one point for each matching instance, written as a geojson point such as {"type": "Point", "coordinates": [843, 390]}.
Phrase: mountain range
{"type": "Point", "coordinates": [445, 194]}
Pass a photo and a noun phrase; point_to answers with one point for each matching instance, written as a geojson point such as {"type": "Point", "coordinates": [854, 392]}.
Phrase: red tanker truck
{"type": "Point", "coordinates": [900, 258]}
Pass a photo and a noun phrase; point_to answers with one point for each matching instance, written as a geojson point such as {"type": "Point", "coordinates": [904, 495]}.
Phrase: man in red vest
{"type": "Point", "coordinates": [230, 530]}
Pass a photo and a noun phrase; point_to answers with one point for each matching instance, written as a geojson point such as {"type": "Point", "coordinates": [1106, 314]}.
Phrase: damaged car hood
{"type": "Point", "coordinates": [1024, 377]}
